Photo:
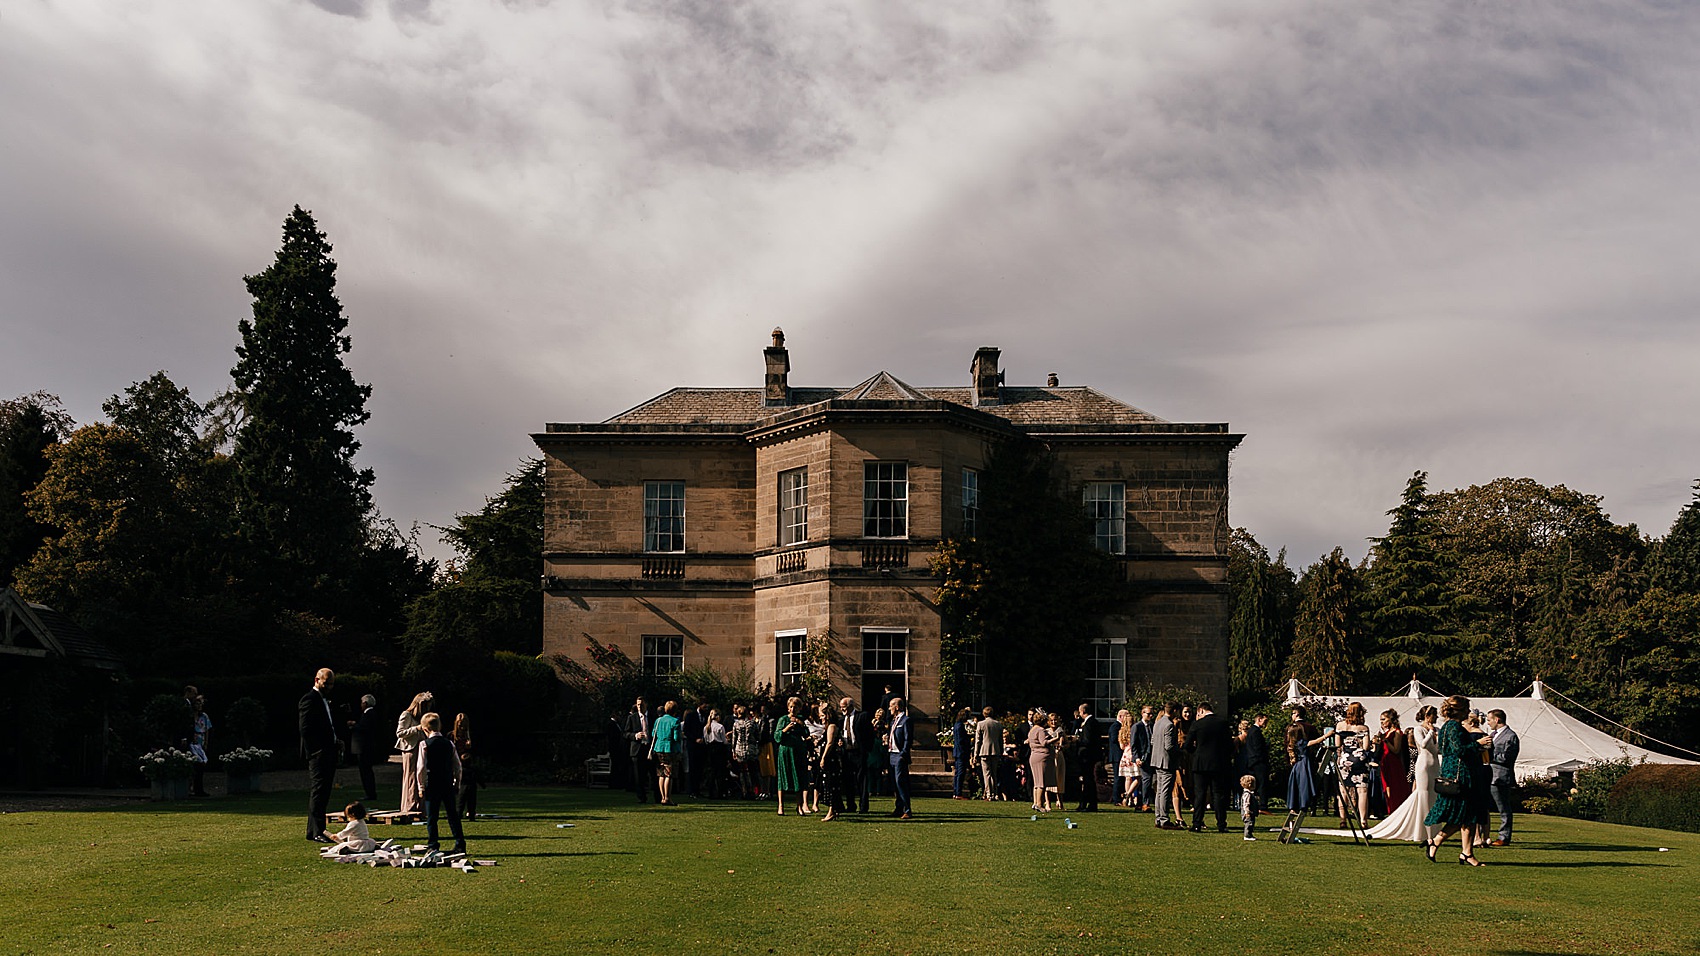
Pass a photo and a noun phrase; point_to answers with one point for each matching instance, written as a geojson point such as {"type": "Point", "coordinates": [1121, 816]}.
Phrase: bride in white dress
{"type": "Point", "coordinates": [1406, 823]}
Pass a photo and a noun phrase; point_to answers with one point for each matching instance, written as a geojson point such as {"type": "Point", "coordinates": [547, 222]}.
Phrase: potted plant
{"type": "Point", "coordinates": [168, 770]}
{"type": "Point", "coordinates": [242, 768]}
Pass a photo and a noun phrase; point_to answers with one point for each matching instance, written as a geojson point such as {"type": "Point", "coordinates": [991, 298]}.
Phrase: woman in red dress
{"type": "Point", "coordinates": [1392, 749]}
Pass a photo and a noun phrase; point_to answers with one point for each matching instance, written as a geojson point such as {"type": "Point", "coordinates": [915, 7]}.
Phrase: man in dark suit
{"type": "Point", "coordinates": [857, 731]}
{"type": "Point", "coordinates": [1165, 755]}
{"type": "Point", "coordinates": [366, 741]}
{"type": "Point", "coordinates": [1254, 754]}
{"type": "Point", "coordinates": [1502, 757]}
{"type": "Point", "coordinates": [318, 746]}
{"type": "Point", "coordinates": [1211, 742]}
{"type": "Point", "coordinates": [439, 778]}
{"type": "Point", "coordinates": [696, 756]}
{"type": "Point", "coordinates": [898, 742]}
{"type": "Point", "coordinates": [636, 730]}
{"type": "Point", "coordinates": [1089, 749]}
{"type": "Point", "coordinates": [1141, 745]}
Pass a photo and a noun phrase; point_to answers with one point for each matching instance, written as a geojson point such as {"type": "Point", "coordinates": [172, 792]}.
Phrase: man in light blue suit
{"type": "Point", "coordinates": [897, 747]}
{"type": "Point", "coordinates": [1503, 759]}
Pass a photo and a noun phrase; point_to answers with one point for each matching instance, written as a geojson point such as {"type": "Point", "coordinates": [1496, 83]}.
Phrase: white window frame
{"type": "Point", "coordinates": [1106, 505]}
{"type": "Point", "coordinates": [885, 499]}
{"type": "Point", "coordinates": [663, 517]}
{"type": "Point", "coordinates": [970, 502]}
{"type": "Point", "coordinates": [883, 636]}
{"type": "Point", "coordinates": [792, 644]}
{"type": "Point", "coordinates": [793, 506]}
{"type": "Point", "coordinates": [663, 653]}
{"type": "Point", "coordinates": [1107, 675]}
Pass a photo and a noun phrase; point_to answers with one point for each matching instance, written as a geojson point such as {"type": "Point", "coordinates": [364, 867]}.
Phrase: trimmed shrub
{"type": "Point", "coordinates": [1666, 796]}
{"type": "Point", "coordinates": [1594, 784]}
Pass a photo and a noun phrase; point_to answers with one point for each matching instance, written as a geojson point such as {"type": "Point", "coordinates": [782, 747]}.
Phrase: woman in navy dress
{"type": "Point", "coordinates": [1301, 777]}
{"type": "Point", "coordinates": [1458, 761]}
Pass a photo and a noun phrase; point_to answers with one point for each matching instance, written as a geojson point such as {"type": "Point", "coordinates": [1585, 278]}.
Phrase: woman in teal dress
{"type": "Point", "coordinates": [668, 749]}
{"type": "Point", "coordinates": [1458, 761]}
{"type": "Point", "coordinates": [791, 753]}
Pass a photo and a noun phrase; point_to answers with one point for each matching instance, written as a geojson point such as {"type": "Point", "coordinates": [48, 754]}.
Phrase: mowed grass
{"type": "Point", "coordinates": [235, 876]}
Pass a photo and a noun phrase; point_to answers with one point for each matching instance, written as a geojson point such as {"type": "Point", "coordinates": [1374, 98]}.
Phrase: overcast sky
{"type": "Point", "coordinates": [1375, 236]}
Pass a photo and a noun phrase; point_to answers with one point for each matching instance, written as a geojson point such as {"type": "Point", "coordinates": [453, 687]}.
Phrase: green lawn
{"type": "Point", "coordinates": [234, 876]}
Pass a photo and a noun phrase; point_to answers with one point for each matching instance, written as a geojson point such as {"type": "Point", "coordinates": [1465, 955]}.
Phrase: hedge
{"type": "Point", "coordinates": [1666, 796]}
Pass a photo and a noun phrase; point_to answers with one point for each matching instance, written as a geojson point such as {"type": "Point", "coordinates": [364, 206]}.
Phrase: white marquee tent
{"type": "Point", "coordinates": [1550, 740]}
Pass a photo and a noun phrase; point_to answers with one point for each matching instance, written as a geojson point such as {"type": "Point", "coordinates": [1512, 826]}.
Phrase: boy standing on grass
{"type": "Point", "coordinates": [439, 781]}
{"type": "Point", "coordinates": [1248, 805]}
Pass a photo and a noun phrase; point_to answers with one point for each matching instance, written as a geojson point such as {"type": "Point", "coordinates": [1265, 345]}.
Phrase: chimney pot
{"type": "Point", "coordinates": [778, 390]}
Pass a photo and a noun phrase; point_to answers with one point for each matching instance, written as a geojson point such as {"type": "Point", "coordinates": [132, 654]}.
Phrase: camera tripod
{"type": "Point", "coordinates": [1328, 768]}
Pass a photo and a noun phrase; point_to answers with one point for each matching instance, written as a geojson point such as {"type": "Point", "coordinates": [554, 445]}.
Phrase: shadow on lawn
{"type": "Point", "coordinates": [1566, 864]}
{"type": "Point", "coordinates": [516, 856]}
{"type": "Point", "coordinates": [1590, 847]}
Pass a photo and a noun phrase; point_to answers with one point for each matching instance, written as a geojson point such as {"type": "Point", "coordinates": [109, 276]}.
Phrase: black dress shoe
{"type": "Point", "coordinates": [320, 838]}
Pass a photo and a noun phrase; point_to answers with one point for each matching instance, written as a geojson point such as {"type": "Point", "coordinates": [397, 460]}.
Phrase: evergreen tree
{"type": "Point", "coordinates": [1325, 635]}
{"type": "Point", "coordinates": [505, 538]}
{"type": "Point", "coordinates": [302, 504]}
{"type": "Point", "coordinates": [1675, 562]}
{"type": "Point", "coordinates": [29, 426]}
{"type": "Point", "coordinates": [1258, 633]}
{"type": "Point", "coordinates": [1412, 608]}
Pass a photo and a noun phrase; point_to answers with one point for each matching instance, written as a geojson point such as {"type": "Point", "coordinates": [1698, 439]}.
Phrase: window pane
{"type": "Point", "coordinates": [1107, 676]}
{"type": "Point", "coordinates": [794, 506]}
{"type": "Point", "coordinates": [792, 659]}
{"type": "Point", "coordinates": [1106, 505]}
{"type": "Point", "coordinates": [663, 654]}
{"type": "Point", "coordinates": [885, 652]}
{"type": "Point", "coordinates": [664, 516]}
{"type": "Point", "coordinates": [885, 499]}
{"type": "Point", "coordinates": [970, 502]}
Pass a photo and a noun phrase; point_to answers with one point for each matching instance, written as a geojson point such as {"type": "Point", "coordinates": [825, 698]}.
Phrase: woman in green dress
{"type": "Point", "coordinates": [791, 753]}
{"type": "Point", "coordinates": [1458, 761]}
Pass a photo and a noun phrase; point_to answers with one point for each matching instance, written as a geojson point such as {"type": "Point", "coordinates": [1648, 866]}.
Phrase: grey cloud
{"type": "Point", "coordinates": [1376, 237]}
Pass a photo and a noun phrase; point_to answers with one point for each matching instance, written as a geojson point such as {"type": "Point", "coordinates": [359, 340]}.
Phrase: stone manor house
{"type": "Point", "coordinates": [735, 526]}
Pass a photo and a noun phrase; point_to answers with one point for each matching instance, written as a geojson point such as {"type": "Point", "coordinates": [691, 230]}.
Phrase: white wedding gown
{"type": "Point", "coordinates": [1406, 823]}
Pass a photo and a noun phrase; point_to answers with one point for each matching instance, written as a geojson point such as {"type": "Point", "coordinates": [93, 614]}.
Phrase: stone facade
{"type": "Point", "coordinates": [732, 592]}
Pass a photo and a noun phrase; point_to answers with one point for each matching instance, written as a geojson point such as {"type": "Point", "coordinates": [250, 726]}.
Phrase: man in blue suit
{"type": "Point", "coordinates": [897, 747]}
{"type": "Point", "coordinates": [1502, 757]}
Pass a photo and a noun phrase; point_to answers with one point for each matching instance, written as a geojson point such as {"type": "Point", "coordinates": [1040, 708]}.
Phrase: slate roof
{"type": "Point", "coordinates": [57, 633]}
{"type": "Point", "coordinates": [1024, 406]}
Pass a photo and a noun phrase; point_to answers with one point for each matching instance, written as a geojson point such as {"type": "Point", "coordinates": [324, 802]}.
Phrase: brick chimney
{"type": "Point", "coordinates": [778, 393]}
{"type": "Point", "coordinates": [987, 378]}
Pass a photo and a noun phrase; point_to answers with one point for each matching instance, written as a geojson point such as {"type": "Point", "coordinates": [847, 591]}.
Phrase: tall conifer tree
{"type": "Point", "coordinates": [1326, 634]}
{"type": "Point", "coordinates": [1675, 563]}
{"type": "Point", "coordinates": [302, 503]}
{"type": "Point", "coordinates": [1258, 632]}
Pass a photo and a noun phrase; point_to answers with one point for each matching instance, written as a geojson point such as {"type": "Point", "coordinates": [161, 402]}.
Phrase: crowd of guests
{"type": "Point", "coordinates": [813, 753]}
{"type": "Point", "coordinates": [1446, 775]}
{"type": "Point", "coordinates": [1442, 777]}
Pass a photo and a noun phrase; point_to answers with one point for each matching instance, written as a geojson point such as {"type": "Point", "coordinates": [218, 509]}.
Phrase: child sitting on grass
{"type": "Point", "coordinates": [354, 838]}
{"type": "Point", "coordinates": [1248, 804]}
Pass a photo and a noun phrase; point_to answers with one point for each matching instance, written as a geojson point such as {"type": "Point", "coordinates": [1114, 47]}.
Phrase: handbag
{"type": "Point", "coordinates": [1448, 787]}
